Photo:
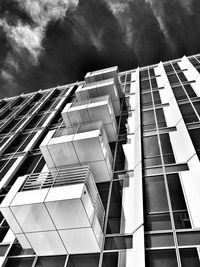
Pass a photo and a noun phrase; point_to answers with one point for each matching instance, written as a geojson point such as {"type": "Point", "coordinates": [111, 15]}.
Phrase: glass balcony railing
{"type": "Point", "coordinates": [91, 110]}
{"type": "Point", "coordinates": [55, 212]}
{"type": "Point", "coordinates": [85, 144]}
{"type": "Point", "coordinates": [101, 88]}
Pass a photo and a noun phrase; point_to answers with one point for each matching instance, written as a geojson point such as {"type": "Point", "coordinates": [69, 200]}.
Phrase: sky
{"type": "Point", "coordinates": [45, 43]}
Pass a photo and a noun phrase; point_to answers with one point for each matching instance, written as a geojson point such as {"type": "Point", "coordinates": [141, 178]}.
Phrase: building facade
{"type": "Point", "coordinates": [104, 172]}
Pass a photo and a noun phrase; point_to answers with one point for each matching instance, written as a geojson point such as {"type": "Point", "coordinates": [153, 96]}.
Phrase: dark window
{"type": "Point", "coordinates": [173, 79]}
{"type": "Point", "coordinates": [160, 118]}
{"type": "Point", "coordinates": [189, 257]}
{"type": "Point", "coordinates": [188, 113]}
{"type": "Point", "coordinates": [114, 216]}
{"type": "Point", "coordinates": [168, 68]}
{"type": "Point", "coordinates": [188, 238]}
{"type": "Point", "coordinates": [190, 90]}
{"type": "Point", "coordinates": [159, 240]}
{"type": "Point", "coordinates": [160, 221]}
{"type": "Point", "coordinates": [51, 261]}
{"type": "Point", "coordinates": [143, 74]}
{"type": "Point", "coordinates": [20, 262]}
{"type": "Point", "coordinates": [118, 242]}
{"type": "Point", "coordinates": [195, 136]}
{"type": "Point", "coordinates": [110, 259]}
{"type": "Point", "coordinates": [151, 151]}
{"type": "Point", "coordinates": [148, 120]}
{"type": "Point", "coordinates": [182, 77]}
{"type": "Point", "coordinates": [167, 151]}
{"type": "Point", "coordinates": [103, 189]}
{"type": "Point", "coordinates": [179, 93]}
{"type": "Point", "coordinates": [146, 99]}
{"type": "Point", "coordinates": [161, 258]}
{"type": "Point", "coordinates": [90, 260]}
{"type": "Point", "coordinates": [145, 85]}
{"type": "Point", "coordinates": [155, 194]}
{"type": "Point", "coordinates": [176, 66]}
{"type": "Point", "coordinates": [17, 250]}
{"type": "Point", "coordinates": [154, 83]}
{"type": "Point", "coordinates": [152, 72]}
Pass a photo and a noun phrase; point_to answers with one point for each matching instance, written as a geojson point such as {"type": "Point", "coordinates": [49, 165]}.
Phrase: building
{"type": "Point", "coordinates": [104, 172]}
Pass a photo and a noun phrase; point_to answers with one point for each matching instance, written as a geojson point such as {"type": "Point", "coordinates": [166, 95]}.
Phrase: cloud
{"type": "Point", "coordinates": [158, 10]}
{"type": "Point", "coordinates": [187, 5]}
{"type": "Point", "coordinates": [26, 39]}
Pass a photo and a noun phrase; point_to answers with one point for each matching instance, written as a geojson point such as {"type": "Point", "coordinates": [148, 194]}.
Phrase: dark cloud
{"type": "Point", "coordinates": [43, 45]}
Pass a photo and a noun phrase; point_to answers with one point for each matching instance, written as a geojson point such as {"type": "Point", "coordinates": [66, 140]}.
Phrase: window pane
{"type": "Point", "coordinates": [161, 258]}
{"type": "Point", "coordinates": [155, 194]}
{"type": "Point", "coordinates": [118, 242]}
{"type": "Point", "coordinates": [90, 260]}
{"type": "Point", "coordinates": [158, 222]}
{"type": "Point", "coordinates": [188, 238]}
{"type": "Point", "coordinates": [19, 262]}
{"type": "Point", "coordinates": [159, 240]}
{"type": "Point", "coordinates": [189, 257]}
{"type": "Point", "coordinates": [110, 260]}
{"type": "Point", "coordinates": [57, 261]}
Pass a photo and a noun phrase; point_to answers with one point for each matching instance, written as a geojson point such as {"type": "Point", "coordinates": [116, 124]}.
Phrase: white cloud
{"type": "Point", "coordinates": [157, 7]}
{"type": "Point", "coordinates": [28, 38]}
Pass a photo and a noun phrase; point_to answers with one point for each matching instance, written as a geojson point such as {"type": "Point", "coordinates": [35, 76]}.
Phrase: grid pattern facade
{"type": "Point", "coordinates": [150, 214]}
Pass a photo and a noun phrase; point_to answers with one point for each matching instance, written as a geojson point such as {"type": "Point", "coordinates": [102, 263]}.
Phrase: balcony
{"type": "Point", "coordinates": [101, 88]}
{"type": "Point", "coordinates": [104, 74]}
{"type": "Point", "coordinates": [56, 213]}
{"type": "Point", "coordinates": [91, 110]}
{"type": "Point", "coordinates": [86, 144]}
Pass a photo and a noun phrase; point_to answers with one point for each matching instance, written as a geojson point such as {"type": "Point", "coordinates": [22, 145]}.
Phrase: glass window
{"type": "Point", "coordinates": [188, 113]}
{"type": "Point", "coordinates": [181, 219]}
{"type": "Point", "coordinates": [179, 93]}
{"type": "Point", "coordinates": [146, 99]}
{"type": "Point", "coordinates": [110, 259]}
{"type": "Point", "coordinates": [197, 106]}
{"type": "Point", "coordinates": [90, 260]}
{"type": "Point", "coordinates": [143, 74]}
{"type": "Point", "coordinates": [194, 134]}
{"type": "Point", "coordinates": [114, 216]}
{"type": "Point", "coordinates": [159, 240]}
{"type": "Point", "coordinates": [159, 221]}
{"type": "Point", "coordinates": [188, 238]}
{"type": "Point", "coordinates": [154, 83]}
{"type": "Point", "coordinates": [176, 66]}
{"type": "Point", "coordinates": [148, 120]}
{"type": "Point", "coordinates": [145, 85]}
{"type": "Point", "coordinates": [118, 242]}
{"type": "Point", "coordinates": [168, 68]}
{"type": "Point", "coordinates": [190, 90]}
{"type": "Point", "coordinates": [3, 249]}
{"type": "Point", "coordinates": [151, 151]}
{"type": "Point", "coordinates": [160, 118]}
{"type": "Point", "coordinates": [173, 79]}
{"type": "Point", "coordinates": [189, 257]}
{"type": "Point", "coordinates": [182, 77]}
{"type": "Point", "coordinates": [176, 192]}
{"type": "Point", "coordinates": [155, 194]}
{"type": "Point", "coordinates": [161, 258]}
{"type": "Point", "coordinates": [17, 250]}
{"type": "Point", "coordinates": [20, 262]}
{"type": "Point", "coordinates": [53, 261]}
{"type": "Point", "coordinates": [167, 149]}
{"type": "Point", "coordinates": [103, 189]}
{"type": "Point", "coordinates": [152, 72]}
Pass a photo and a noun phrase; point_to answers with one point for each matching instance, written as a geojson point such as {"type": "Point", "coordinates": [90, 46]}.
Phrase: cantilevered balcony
{"type": "Point", "coordinates": [86, 144]}
{"type": "Point", "coordinates": [91, 110]}
{"type": "Point", "coordinates": [57, 212]}
{"type": "Point", "coordinates": [104, 74]}
{"type": "Point", "coordinates": [101, 88]}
